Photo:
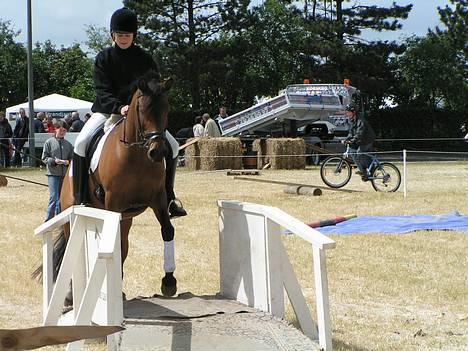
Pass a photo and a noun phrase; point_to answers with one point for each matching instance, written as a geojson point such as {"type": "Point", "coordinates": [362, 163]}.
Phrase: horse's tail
{"type": "Point", "coordinates": [60, 245]}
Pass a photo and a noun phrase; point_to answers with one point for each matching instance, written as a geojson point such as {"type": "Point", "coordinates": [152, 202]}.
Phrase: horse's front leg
{"type": "Point", "coordinates": [169, 282]}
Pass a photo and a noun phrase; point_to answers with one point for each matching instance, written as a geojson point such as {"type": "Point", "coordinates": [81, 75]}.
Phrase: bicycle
{"type": "Point", "coordinates": [336, 172]}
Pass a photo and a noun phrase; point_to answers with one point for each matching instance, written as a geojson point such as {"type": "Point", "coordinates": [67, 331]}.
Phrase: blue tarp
{"type": "Point", "coordinates": [398, 224]}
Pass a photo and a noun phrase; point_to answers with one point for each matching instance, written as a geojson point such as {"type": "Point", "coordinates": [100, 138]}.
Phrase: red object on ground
{"type": "Point", "coordinates": [327, 222]}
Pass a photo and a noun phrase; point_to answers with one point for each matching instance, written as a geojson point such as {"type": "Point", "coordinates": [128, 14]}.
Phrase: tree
{"type": "Point", "coordinates": [13, 67]}
{"type": "Point", "coordinates": [98, 38]}
{"type": "Point", "coordinates": [66, 71]}
{"type": "Point", "coordinates": [179, 30]}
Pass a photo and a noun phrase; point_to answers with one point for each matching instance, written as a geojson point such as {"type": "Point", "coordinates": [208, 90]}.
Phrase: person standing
{"type": "Point", "coordinates": [56, 154]}
{"type": "Point", "coordinates": [211, 128]}
{"type": "Point", "coordinates": [76, 123]}
{"type": "Point", "coordinates": [198, 128]}
{"type": "Point", "coordinates": [222, 115]}
{"type": "Point", "coordinates": [5, 134]}
{"type": "Point", "coordinates": [39, 123]}
{"type": "Point", "coordinates": [20, 136]}
{"type": "Point", "coordinates": [116, 71]}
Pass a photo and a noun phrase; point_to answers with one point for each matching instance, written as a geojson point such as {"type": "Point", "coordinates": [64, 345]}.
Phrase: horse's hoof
{"type": "Point", "coordinates": [169, 285]}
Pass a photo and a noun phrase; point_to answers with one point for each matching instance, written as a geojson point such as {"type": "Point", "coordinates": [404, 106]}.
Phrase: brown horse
{"type": "Point", "coordinates": [131, 173]}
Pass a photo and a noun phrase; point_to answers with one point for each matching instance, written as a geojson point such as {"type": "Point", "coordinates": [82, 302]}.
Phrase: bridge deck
{"type": "Point", "coordinates": [205, 323]}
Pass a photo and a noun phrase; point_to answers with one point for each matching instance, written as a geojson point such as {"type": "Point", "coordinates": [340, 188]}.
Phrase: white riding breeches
{"type": "Point", "coordinates": [98, 120]}
{"type": "Point", "coordinates": [95, 122]}
{"type": "Point", "coordinates": [174, 144]}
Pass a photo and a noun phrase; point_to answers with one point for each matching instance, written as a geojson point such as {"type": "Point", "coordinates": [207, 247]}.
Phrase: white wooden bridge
{"type": "Point", "coordinates": [247, 314]}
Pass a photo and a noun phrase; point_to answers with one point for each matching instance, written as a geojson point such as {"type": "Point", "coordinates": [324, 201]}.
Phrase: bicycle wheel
{"type": "Point", "coordinates": [335, 172]}
{"type": "Point", "coordinates": [386, 177]}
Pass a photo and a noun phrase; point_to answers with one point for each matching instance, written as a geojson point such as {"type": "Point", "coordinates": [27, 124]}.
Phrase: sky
{"type": "Point", "coordinates": [64, 22]}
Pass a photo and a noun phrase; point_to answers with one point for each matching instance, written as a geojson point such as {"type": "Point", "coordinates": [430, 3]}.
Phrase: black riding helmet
{"type": "Point", "coordinates": [124, 20]}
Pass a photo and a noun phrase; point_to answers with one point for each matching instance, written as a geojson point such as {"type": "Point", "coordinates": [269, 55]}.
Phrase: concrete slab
{"type": "Point", "coordinates": [208, 323]}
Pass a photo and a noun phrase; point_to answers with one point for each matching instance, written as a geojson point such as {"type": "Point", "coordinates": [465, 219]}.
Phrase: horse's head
{"type": "Point", "coordinates": [151, 107]}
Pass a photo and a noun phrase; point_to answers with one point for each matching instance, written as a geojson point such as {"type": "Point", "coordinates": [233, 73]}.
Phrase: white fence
{"type": "Point", "coordinates": [255, 267]}
{"type": "Point", "coordinates": [92, 261]}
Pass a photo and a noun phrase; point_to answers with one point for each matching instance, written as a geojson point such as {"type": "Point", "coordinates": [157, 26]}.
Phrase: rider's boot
{"type": "Point", "coordinates": [80, 180]}
{"type": "Point", "coordinates": [175, 206]}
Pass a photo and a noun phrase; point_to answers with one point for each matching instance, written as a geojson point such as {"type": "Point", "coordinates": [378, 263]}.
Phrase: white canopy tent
{"type": "Point", "coordinates": [52, 103]}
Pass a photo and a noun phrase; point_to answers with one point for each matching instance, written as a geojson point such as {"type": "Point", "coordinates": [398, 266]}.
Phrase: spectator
{"type": "Point", "coordinates": [77, 124]}
{"type": "Point", "coordinates": [5, 134]}
{"type": "Point", "coordinates": [49, 124]}
{"type": "Point", "coordinates": [211, 128]}
{"type": "Point", "coordinates": [20, 136]}
{"type": "Point", "coordinates": [38, 123]}
{"type": "Point", "coordinates": [220, 116]}
{"type": "Point", "coordinates": [198, 127]}
{"type": "Point", "coordinates": [87, 117]}
{"type": "Point", "coordinates": [56, 154]}
{"type": "Point", "coordinates": [68, 120]}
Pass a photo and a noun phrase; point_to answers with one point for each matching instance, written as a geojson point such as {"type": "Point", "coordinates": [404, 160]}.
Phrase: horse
{"type": "Point", "coordinates": [130, 176]}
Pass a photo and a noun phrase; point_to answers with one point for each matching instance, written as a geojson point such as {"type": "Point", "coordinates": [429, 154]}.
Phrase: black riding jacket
{"type": "Point", "coordinates": [360, 132]}
{"type": "Point", "coordinates": [115, 76]}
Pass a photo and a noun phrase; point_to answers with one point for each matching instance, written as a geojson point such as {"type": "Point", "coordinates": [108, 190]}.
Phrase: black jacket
{"type": "Point", "coordinates": [5, 132]}
{"type": "Point", "coordinates": [360, 133]}
{"type": "Point", "coordinates": [116, 72]}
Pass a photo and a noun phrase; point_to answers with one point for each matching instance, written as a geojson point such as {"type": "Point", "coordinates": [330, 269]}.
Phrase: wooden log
{"type": "Point", "coordinates": [302, 190]}
{"type": "Point", "coordinates": [33, 338]}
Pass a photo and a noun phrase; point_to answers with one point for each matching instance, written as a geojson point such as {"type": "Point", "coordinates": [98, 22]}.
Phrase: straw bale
{"type": "Point", "coordinates": [212, 151]}
{"type": "Point", "coordinates": [290, 147]}
{"type": "Point", "coordinates": [192, 159]}
{"type": "Point", "coordinates": [259, 145]}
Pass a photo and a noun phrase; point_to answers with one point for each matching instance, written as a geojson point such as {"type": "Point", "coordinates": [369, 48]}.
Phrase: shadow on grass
{"type": "Point", "coordinates": [340, 345]}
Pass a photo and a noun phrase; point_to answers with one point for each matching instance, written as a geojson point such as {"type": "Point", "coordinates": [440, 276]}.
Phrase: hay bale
{"type": "Point", "coordinates": [3, 181]}
{"type": "Point", "coordinates": [259, 146]}
{"type": "Point", "coordinates": [286, 153]}
{"type": "Point", "coordinates": [192, 156]}
{"type": "Point", "coordinates": [220, 153]}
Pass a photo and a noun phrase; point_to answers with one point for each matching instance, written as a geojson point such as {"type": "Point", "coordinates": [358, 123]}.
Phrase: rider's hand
{"type": "Point", "coordinates": [124, 110]}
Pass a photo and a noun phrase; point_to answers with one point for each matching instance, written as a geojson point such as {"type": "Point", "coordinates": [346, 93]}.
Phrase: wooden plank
{"type": "Point", "coordinates": [322, 300]}
{"type": "Point", "coordinates": [33, 338]}
{"type": "Point", "coordinates": [191, 142]}
{"type": "Point", "coordinates": [294, 184]}
{"type": "Point", "coordinates": [298, 302]}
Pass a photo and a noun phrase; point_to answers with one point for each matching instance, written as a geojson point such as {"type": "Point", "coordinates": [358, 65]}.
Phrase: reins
{"type": "Point", "coordinates": [144, 139]}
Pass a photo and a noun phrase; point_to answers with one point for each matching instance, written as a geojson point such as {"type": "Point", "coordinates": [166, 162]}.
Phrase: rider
{"type": "Point", "coordinates": [116, 71]}
{"type": "Point", "coordinates": [360, 139]}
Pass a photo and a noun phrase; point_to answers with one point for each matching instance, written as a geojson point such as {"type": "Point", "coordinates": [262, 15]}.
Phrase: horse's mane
{"type": "Point", "coordinates": [150, 85]}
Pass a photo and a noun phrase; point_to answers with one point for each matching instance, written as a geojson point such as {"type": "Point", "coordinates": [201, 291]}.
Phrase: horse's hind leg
{"type": "Point", "coordinates": [169, 282]}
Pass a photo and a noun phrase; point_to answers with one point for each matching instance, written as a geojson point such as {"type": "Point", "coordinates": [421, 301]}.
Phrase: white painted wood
{"type": "Point", "coordinates": [63, 279]}
{"type": "Point", "coordinates": [274, 267]}
{"type": "Point", "coordinates": [243, 229]}
{"type": "Point", "coordinates": [321, 295]}
{"type": "Point", "coordinates": [298, 302]}
{"type": "Point", "coordinates": [93, 260]}
{"type": "Point", "coordinates": [47, 275]}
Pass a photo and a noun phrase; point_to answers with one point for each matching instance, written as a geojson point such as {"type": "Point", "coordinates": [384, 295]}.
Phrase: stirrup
{"type": "Point", "coordinates": [180, 211]}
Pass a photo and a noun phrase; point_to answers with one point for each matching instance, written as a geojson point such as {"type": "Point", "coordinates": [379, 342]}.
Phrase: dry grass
{"type": "Point", "coordinates": [387, 292]}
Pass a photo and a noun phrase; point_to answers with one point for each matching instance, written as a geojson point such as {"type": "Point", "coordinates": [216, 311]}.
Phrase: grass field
{"type": "Point", "coordinates": [387, 292]}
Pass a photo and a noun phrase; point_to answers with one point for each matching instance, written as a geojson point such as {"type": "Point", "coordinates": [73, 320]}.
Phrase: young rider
{"type": "Point", "coordinates": [360, 139]}
{"type": "Point", "coordinates": [116, 71]}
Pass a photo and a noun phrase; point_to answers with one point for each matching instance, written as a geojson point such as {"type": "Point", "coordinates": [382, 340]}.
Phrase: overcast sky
{"type": "Point", "coordinates": [64, 22]}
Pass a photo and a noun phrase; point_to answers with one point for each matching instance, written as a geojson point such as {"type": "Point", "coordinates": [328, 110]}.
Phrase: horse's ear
{"type": "Point", "coordinates": [167, 84]}
{"type": "Point", "coordinates": [143, 85]}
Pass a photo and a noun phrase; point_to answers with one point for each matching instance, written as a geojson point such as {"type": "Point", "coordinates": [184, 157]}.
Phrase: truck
{"type": "Point", "coordinates": [315, 112]}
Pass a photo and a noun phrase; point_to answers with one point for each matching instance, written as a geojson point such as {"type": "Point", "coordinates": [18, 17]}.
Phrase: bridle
{"type": "Point", "coordinates": [144, 138]}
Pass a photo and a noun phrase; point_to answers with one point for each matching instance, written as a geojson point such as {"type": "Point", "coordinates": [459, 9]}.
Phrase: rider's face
{"type": "Point", "coordinates": [350, 115]}
{"type": "Point", "coordinates": [123, 40]}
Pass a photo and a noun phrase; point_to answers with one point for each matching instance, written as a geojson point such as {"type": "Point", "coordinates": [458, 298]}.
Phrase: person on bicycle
{"type": "Point", "coordinates": [360, 139]}
{"type": "Point", "coordinates": [116, 71]}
